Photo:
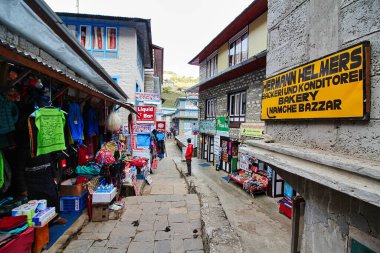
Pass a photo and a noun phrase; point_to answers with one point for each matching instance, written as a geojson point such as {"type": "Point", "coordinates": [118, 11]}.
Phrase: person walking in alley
{"type": "Point", "coordinates": [188, 156]}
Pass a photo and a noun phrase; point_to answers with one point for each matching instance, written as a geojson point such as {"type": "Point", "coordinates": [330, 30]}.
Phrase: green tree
{"type": "Point", "coordinates": [166, 89]}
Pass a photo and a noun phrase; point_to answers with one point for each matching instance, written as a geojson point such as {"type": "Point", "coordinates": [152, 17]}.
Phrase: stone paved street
{"type": "Point", "coordinates": [165, 219]}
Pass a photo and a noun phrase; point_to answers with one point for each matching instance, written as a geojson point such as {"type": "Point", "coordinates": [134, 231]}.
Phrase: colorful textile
{"type": "Point", "coordinates": [89, 169]}
{"type": "Point", "coordinates": [50, 123]}
{"type": "Point", "coordinates": [75, 121]}
{"type": "Point", "coordinates": [9, 223]}
{"type": "Point", "coordinates": [92, 122]}
{"type": "Point", "coordinates": [8, 115]}
{"type": "Point", "coordinates": [104, 157]}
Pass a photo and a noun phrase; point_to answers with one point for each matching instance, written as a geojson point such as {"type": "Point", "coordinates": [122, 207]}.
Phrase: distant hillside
{"type": "Point", "coordinates": [170, 97]}
{"type": "Point", "coordinates": [180, 82]}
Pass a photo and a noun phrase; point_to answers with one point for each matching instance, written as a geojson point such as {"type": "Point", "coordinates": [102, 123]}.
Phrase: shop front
{"type": "Point", "coordinates": [62, 148]}
{"type": "Point", "coordinates": [207, 129]}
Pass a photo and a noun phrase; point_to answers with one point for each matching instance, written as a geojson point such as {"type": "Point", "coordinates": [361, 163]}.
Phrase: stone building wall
{"type": "Point", "coordinates": [300, 31]}
{"type": "Point", "coordinates": [252, 81]}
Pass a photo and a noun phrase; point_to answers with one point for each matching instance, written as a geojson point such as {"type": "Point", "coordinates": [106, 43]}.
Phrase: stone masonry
{"type": "Point", "coordinates": [301, 31]}
{"type": "Point", "coordinates": [251, 81]}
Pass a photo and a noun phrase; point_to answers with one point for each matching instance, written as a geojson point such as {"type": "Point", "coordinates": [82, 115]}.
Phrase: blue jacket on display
{"type": "Point", "coordinates": [75, 121]}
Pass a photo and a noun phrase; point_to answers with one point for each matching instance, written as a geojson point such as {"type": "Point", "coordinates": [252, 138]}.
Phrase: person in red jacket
{"type": "Point", "coordinates": [188, 155]}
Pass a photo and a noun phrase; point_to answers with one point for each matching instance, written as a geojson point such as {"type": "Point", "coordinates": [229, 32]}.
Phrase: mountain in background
{"type": "Point", "coordinates": [174, 85]}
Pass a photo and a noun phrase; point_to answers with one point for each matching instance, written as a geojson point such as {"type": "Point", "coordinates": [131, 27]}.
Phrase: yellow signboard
{"type": "Point", "coordinates": [335, 86]}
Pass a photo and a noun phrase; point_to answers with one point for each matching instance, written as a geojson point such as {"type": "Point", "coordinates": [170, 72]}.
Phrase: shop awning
{"type": "Point", "coordinates": [20, 56]}
{"type": "Point", "coordinates": [358, 178]}
{"type": "Point", "coordinates": [38, 24]}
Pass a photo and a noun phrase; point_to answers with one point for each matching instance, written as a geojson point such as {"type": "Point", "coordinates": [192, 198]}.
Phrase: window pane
{"type": "Point", "coordinates": [244, 47]}
{"type": "Point", "coordinates": [85, 32]}
{"type": "Point", "coordinates": [111, 38]}
{"type": "Point", "coordinates": [237, 104]}
{"type": "Point", "coordinates": [73, 30]}
{"type": "Point", "coordinates": [97, 37]}
{"type": "Point", "coordinates": [232, 105]}
{"type": "Point", "coordinates": [238, 51]}
{"type": "Point", "coordinates": [232, 54]}
{"type": "Point", "coordinates": [243, 103]}
{"type": "Point", "coordinates": [216, 64]}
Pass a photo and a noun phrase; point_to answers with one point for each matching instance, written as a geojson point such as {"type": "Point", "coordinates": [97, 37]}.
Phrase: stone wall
{"type": "Point", "coordinates": [125, 66]}
{"type": "Point", "coordinates": [300, 31]}
{"type": "Point", "coordinates": [252, 81]}
{"type": "Point", "coordinates": [329, 214]}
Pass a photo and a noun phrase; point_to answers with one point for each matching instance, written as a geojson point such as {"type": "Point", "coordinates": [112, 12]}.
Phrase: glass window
{"type": "Point", "coordinates": [73, 30]}
{"type": "Point", "coordinates": [238, 51]}
{"type": "Point", "coordinates": [210, 108]}
{"type": "Point", "coordinates": [231, 58]}
{"type": "Point", "coordinates": [237, 106]}
{"type": "Point", "coordinates": [98, 38]}
{"type": "Point", "coordinates": [85, 36]}
{"type": "Point", "coordinates": [211, 68]}
{"type": "Point", "coordinates": [244, 47]}
{"type": "Point", "coordinates": [111, 38]}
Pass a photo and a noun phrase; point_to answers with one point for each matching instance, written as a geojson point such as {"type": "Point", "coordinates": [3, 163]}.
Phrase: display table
{"type": "Point", "coordinates": [41, 236]}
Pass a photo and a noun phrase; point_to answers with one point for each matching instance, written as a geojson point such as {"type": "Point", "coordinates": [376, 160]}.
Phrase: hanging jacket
{"type": "Point", "coordinates": [8, 115]}
{"type": "Point", "coordinates": [92, 122]}
{"type": "Point", "coordinates": [75, 121]}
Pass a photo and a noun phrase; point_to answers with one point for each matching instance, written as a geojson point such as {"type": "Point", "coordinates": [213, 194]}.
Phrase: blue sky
{"type": "Point", "coordinates": [183, 28]}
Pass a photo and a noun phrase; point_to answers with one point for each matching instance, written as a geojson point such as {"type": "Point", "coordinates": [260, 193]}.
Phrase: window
{"type": "Point", "coordinates": [85, 36]}
{"type": "Point", "coordinates": [238, 51]}
{"type": "Point", "coordinates": [210, 111]}
{"type": "Point", "coordinates": [111, 38]}
{"type": "Point", "coordinates": [99, 40]}
{"type": "Point", "coordinates": [237, 106]}
{"type": "Point", "coordinates": [212, 66]}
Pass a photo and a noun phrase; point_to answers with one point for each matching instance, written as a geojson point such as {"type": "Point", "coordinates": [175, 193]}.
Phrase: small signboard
{"type": "Point", "coordinates": [222, 126]}
{"type": "Point", "coordinates": [161, 126]}
{"type": "Point", "coordinates": [254, 129]}
{"type": "Point", "coordinates": [147, 114]}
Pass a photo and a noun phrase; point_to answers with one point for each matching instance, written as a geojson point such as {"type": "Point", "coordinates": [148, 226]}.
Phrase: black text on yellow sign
{"type": "Point", "coordinates": [335, 86]}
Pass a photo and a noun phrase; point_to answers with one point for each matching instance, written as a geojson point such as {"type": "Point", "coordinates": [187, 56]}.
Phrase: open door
{"type": "Point", "coordinates": [211, 156]}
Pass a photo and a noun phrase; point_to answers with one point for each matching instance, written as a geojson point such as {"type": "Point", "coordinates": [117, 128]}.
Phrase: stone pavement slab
{"type": "Point", "coordinates": [160, 222]}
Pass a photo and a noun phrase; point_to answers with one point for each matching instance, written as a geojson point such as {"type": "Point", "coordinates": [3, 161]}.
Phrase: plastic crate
{"type": "Point", "coordinates": [73, 204]}
{"type": "Point", "coordinates": [140, 177]}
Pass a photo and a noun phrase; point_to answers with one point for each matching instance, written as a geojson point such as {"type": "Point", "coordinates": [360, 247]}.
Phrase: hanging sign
{"type": "Point", "coordinates": [217, 149]}
{"type": "Point", "coordinates": [148, 97]}
{"type": "Point", "coordinates": [142, 128]}
{"type": "Point", "coordinates": [335, 86]}
{"type": "Point", "coordinates": [254, 129]}
{"type": "Point", "coordinates": [161, 126]}
{"type": "Point", "coordinates": [147, 114]}
{"type": "Point", "coordinates": [222, 126]}
{"type": "Point", "coordinates": [207, 126]}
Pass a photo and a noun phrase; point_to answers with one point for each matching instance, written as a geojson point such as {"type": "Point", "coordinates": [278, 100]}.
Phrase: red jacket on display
{"type": "Point", "coordinates": [189, 152]}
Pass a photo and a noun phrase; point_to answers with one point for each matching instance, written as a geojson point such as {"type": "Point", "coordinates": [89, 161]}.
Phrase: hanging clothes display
{"type": "Point", "coordinates": [8, 115]}
{"type": "Point", "coordinates": [92, 122]}
{"type": "Point", "coordinates": [50, 123]}
{"type": "Point", "coordinates": [1, 170]}
{"type": "Point", "coordinates": [75, 121]}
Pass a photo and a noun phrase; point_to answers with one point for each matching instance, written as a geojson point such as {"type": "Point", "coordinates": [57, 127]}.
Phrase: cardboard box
{"type": "Point", "coordinates": [69, 188]}
{"type": "Point", "coordinates": [103, 197]}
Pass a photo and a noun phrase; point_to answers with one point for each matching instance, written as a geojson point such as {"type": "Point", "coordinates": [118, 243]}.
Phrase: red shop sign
{"type": "Point", "coordinates": [147, 114]}
{"type": "Point", "coordinates": [161, 126]}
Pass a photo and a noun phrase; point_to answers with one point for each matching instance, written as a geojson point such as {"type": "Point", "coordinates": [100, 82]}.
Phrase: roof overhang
{"type": "Point", "coordinates": [142, 26]}
{"type": "Point", "coordinates": [252, 12]}
{"type": "Point", "coordinates": [358, 178]}
{"type": "Point", "coordinates": [27, 59]}
{"type": "Point", "coordinates": [252, 64]}
{"type": "Point", "coordinates": [38, 24]}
